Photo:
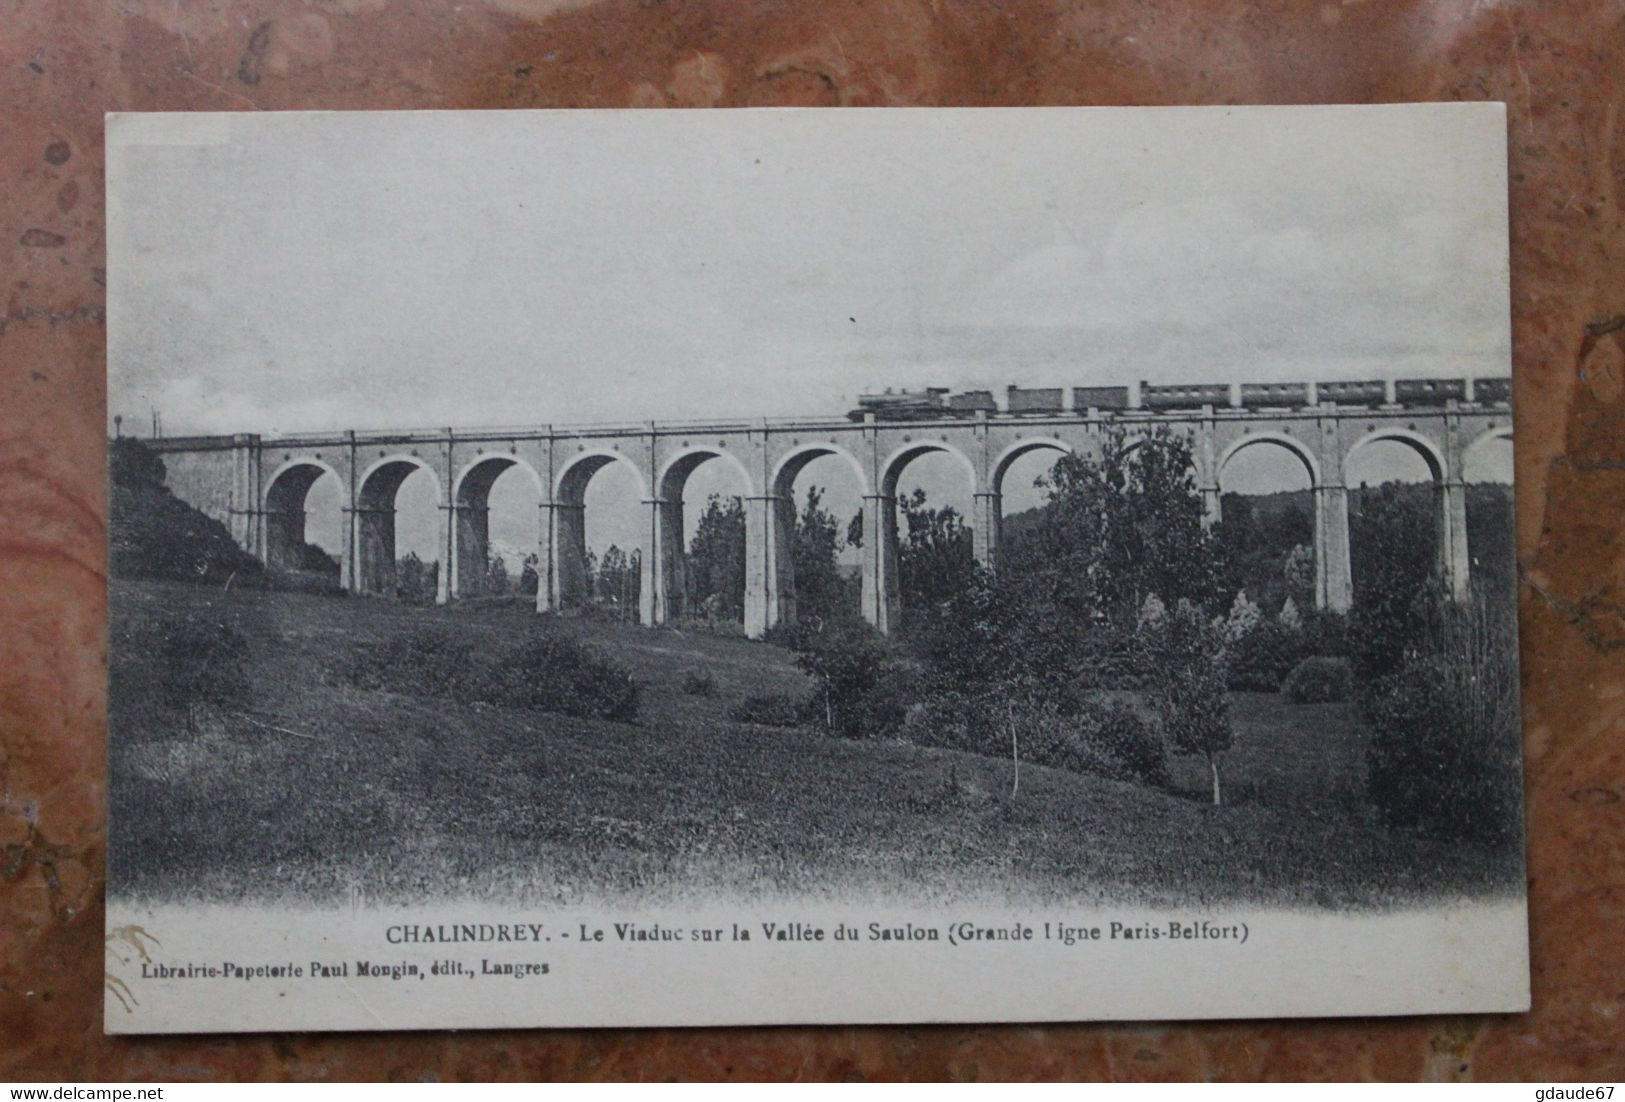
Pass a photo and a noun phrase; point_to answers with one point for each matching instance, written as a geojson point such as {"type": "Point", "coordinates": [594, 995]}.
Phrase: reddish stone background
{"type": "Point", "coordinates": [1559, 66]}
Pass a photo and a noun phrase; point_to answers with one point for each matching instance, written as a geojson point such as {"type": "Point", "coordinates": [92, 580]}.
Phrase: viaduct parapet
{"type": "Point", "coordinates": [257, 485]}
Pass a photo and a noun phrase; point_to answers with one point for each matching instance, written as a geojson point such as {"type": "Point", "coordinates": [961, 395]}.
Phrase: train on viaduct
{"type": "Point", "coordinates": [256, 485]}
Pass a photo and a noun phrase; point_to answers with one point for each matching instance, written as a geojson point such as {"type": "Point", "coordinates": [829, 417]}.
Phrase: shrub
{"type": "Point", "coordinates": [1115, 740]}
{"type": "Point", "coordinates": [700, 683]}
{"type": "Point", "coordinates": [1320, 680]}
{"type": "Point", "coordinates": [416, 662]}
{"type": "Point", "coordinates": [861, 689]}
{"type": "Point", "coordinates": [956, 721]}
{"type": "Point", "coordinates": [1445, 756]}
{"type": "Point", "coordinates": [552, 673]}
{"type": "Point", "coordinates": [203, 661]}
{"type": "Point", "coordinates": [542, 672]}
{"type": "Point", "coordinates": [417, 582]}
{"type": "Point", "coordinates": [1325, 633]}
{"type": "Point", "coordinates": [768, 710]}
{"type": "Point", "coordinates": [1108, 738]}
{"type": "Point", "coordinates": [1260, 659]}
{"type": "Point", "coordinates": [529, 580]}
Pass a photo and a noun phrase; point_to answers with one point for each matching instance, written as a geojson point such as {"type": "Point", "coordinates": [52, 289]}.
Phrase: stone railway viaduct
{"type": "Point", "coordinates": [257, 485]}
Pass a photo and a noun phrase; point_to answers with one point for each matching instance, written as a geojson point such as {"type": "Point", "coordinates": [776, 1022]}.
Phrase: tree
{"type": "Point", "coordinates": [1298, 574]}
{"type": "Point", "coordinates": [589, 573]}
{"type": "Point", "coordinates": [716, 560]}
{"type": "Point", "coordinates": [1445, 755]}
{"type": "Point", "coordinates": [1259, 537]}
{"type": "Point", "coordinates": [1188, 689]}
{"type": "Point", "coordinates": [1243, 619]}
{"type": "Point", "coordinates": [131, 463]}
{"type": "Point", "coordinates": [496, 576]}
{"type": "Point", "coordinates": [314, 558]}
{"type": "Point", "coordinates": [854, 530]}
{"type": "Point", "coordinates": [862, 691]}
{"type": "Point", "coordinates": [821, 593]}
{"type": "Point", "coordinates": [619, 583]}
{"type": "Point", "coordinates": [1393, 546]}
{"type": "Point", "coordinates": [1290, 618]}
{"type": "Point", "coordinates": [1121, 525]}
{"type": "Point", "coordinates": [417, 582]}
{"type": "Point", "coordinates": [935, 559]}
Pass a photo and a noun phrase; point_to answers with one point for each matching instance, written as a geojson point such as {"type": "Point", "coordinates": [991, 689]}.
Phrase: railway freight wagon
{"type": "Point", "coordinates": [966, 404]}
{"type": "Point", "coordinates": [1049, 399]}
{"type": "Point", "coordinates": [1100, 397]}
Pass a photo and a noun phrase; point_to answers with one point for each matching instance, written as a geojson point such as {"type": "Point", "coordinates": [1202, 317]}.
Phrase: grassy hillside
{"type": "Point", "coordinates": [320, 789]}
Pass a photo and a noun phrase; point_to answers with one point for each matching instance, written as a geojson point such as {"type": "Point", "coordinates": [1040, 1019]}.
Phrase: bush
{"type": "Point", "coordinates": [861, 689]}
{"type": "Point", "coordinates": [543, 672]}
{"type": "Point", "coordinates": [1320, 680]}
{"type": "Point", "coordinates": [1260, 659]}
{"type": "Point", "coordinates": [952, 721]}
{"type": "Point", "coordinates": [552, 673]}
{"type": "Point", "coordinates": [1445, 757]}
{"type": "Point", "coordinates": [1108, 738]}
{"type": "Point", "coordinates": [1325, 634]}
{"type": "Point", "coordinates": [416, 662]}
{"type": "Point", "coordinates": [768, 710]}
{"type": "Point", "coordinates": [203, 661]}
{"type": "Point", "coordinates": [1116, 740]}
{"type": "Point", "coordinates": [417, 582]}
{"type": "Point", "coordinates": [700, 683]}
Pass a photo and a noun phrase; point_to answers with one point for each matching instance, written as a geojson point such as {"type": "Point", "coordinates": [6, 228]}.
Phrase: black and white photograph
{"type": "Point", "coordinates": [627, 568]}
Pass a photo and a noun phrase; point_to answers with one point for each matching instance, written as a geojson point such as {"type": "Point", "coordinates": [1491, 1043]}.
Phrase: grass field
{"type": "Point", "coordinates": [319, 791]}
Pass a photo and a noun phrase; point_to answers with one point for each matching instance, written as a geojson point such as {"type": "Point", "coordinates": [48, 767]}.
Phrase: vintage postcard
{"type": "Point", "coordinates": [605, 568]}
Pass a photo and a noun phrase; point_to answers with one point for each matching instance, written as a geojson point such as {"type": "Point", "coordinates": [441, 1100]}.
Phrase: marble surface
{"type": "Point", "coordinates": [1559, 65]}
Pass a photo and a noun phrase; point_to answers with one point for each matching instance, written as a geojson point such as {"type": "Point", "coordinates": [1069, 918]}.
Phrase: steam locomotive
{"type": "Point", "coordinates": [936, 403]}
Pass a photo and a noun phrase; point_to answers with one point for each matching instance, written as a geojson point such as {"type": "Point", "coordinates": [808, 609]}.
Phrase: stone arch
{"type": "Point", "coordinates": [891, 469]}
{"type": "Point", "coordinates": [1001, 465]}
{"type": "Point", "coordinates": [284, 511]}
{"type": "Point", "coordinates": [1477, 444]}
{"type": "Point", "coordinates": [577, 471]}
{"type": "Point", "coordinates": [675, 474]}
{"type": "Point", "coordinates": [770, 520]}
{"type": "Point", "coordinates": [485, 468]}
{"type": "Point", "coordinates": [569, 508]}
{"type": "Point", "coordinates": [1449, 502]}
{"type": "Point", "coordinates": [1487, 508]}
{"type": "Point", "coordinates": [882, 598]}
{"type": "Point", "coordinates": [782, 481]}
{"type": "Point", "coordinates": [671, 550]}
{"type": "Point", "coordinates": [377, 487]}
{"type": "Point", "coordinates": [1430, 451]}
{"type": "Point", "coordinates": [1328, 513]}
{"type": "Point", "coordinates": [1290, 443]}
{"type": "Point", "coordinates": [471, 500]}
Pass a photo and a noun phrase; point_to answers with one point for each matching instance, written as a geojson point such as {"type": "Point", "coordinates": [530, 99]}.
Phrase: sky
{"type": "Point", "coordinates": [282, 272]}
